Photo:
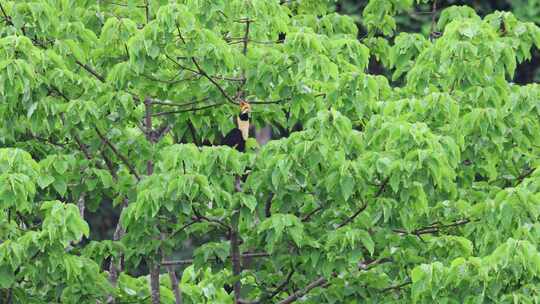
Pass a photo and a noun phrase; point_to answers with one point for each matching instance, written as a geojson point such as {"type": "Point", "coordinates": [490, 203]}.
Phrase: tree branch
{"type": "Point", "coordinates": [196, 72]}
{"type": "Point", "coordinates": [154, 269]}
{"type": "Point", "coordinates": [524, 175]}
{"type": "Point", "coordinates": [433, 228]}
{"type": "Point", "coordinates": [396, 287]}
{"type": "Point", "coordinates": [307, 217]}
{"type": "Point", "coordinates": [268, 205]}
{"type": "Point", "coordinates": [166, 103]}
{"type": "Point", "coordinates": [352, 217]}
{"type": "Point", "coordinates": [118, 154]}
{"type": "Point", "coordinates": [116, 266]}
{"type": "Point", "coordinates": [174, 285]}
{"type": "Point", "coordinates": [199, 216]}
{"type": "Point", "coordinates": [382, 186]}
{"type": "Point", "coordinates": [295, 296]}
{"type": "Point", "coordinates": [280, 100]}
{"type": "Point", "coordinates": [81, 204]}
{"type": "Point", "coordinates": [154, 283]}
{"type": "Point", "coordinates": [91, 71]}
{"type": "Point", "coordinates": [281, 286]}
{"type": "Point", "coordinates": [235, 258]}
{"type": "Point", "coordinates": [203, 73]}
{"type": "Point", "coordinates": [190, 261]}
{"type": "Point", "coordinates": [109, 164]}
{"type": "Point", "coordinates": [188, 110]}
{"type": "Point", "coordinates": [7, 18]}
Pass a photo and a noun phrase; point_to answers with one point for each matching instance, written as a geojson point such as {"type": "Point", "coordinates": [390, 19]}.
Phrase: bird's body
{"type": "Point", "coordinates": [236, 138]}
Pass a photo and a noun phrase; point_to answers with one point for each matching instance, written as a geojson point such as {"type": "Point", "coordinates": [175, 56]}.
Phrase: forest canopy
{"type": "Point", "coordinates": [400, 161]}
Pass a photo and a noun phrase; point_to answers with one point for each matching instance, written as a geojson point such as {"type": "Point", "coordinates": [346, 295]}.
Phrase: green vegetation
{"type": "Point", "coordinates": [415, 184]}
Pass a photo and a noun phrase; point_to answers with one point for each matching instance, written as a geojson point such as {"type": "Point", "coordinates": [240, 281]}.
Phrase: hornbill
{"type": "Point", "coordinates": [237, 137]}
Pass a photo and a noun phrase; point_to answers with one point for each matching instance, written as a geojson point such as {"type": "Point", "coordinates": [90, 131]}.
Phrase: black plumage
{"type": "Point", "coordinates": [235, 140]}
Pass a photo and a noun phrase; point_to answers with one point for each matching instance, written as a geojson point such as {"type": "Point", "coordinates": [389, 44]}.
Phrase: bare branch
{"type": "Point", "coordinates": [81, 204]}
{"type": "Point", "coordinates": [235, 257]}
{"type": "Point", "coordinates": [174, 284]}
{"type": "Point", "coordinates": [154, 283]}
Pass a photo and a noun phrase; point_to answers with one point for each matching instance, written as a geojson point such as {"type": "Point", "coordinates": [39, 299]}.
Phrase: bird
{"type": "Point", "coordinates": [237, 137]}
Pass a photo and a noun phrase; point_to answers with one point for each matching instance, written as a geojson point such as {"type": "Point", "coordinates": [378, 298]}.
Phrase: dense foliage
{"type": "Point", "coordinates": [420, 186]}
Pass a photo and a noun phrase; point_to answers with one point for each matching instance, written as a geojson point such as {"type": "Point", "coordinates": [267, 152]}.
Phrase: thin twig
{"type": "Point", "coordinates": [196, 72]}
{"type": "Point", "coordinates": [295, 296]}
{"type": "Point", "coordinates": [165, 103]}
{"type": "Point", "coordinates": [396, 287]}
{"type": "Point", "coordinates": [524, 175]}
{"type": "Point", "coordinates": [433, 228]}
{"type": "Point", "coordinates": [91, 71]}
{"type": "Point", "coordinates": [188, 110]}
{"type": "Point", "coordinates": [280, 100]}
{"type": "Point", "coordinates": [109, 164]}
{"type": "Point", "coordinates": [147, 11]}
{"type": "Point", "coordinates": [217, 85]}
{"type": "Point", "coordinates": [199, 216]}
{"type": "Point", "coordinates": [352, 217]}
{"type": "Point", "coordinates": [307, 217]}
{"type": "Point", "coordinates": [6, 16]}
{"type": "Point", "coordinates": [190, 261]}
{"type": "Point", "coordinates": [125, 5]}
{"type": "Point", "coordinates": [281, 286]}
{"type": "Point", "coordinates": [382, 186]}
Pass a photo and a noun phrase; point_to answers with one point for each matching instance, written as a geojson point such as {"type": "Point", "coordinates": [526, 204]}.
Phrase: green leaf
{"type": "Point", "coordinates": [347, 186]}
{"type": "Point", "coordinates": [60, 186]}
{"type": "Point", "coordinates": [105, 177]}
{"type": "Point", "coordinates": [7, 277]}
{"type": "Point", "coordinates": [44, 181]}
{"type": "Point", "coordinates": [366, 240]}
{"type": "Point", "coordinates": [60, 166]}
{"type": "Point", "coordinates": [249, 201]}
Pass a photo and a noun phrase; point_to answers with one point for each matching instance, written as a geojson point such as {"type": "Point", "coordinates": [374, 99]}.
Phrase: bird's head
{"type": "Point", "coordinates": [243, 119]}
{"type": "Point", "coordinates": [245, 110]}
